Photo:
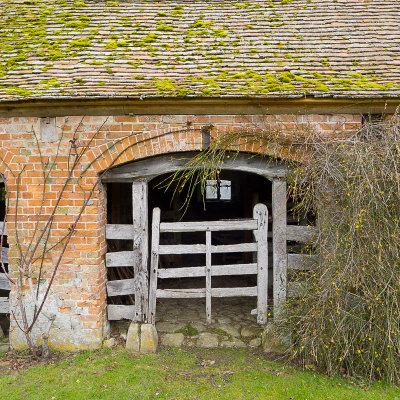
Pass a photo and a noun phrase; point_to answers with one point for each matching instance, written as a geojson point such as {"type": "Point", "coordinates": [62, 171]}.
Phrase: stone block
{"type": "Point", "coordinates": [207, 340]}
{"type": "Point", "coordinates": [198, 325]}
{"type": "Point", "coordinates": [133, 338]}
{"type": "Point", "coordinates": [224, 320]}
{"type": "Point", "coordinates": [148, 338]}
{"type": "Point", "coordinates": [109, 343]}
{"type": "Point", "coordinates": [169, 327]}
{"type": "Point", "coordinates": [232, 344]}
{"type": "Point", "coordinates": [248, 332]}
{"type": "Point", "coordinates": [172, 339]}
{"type": "Point", "coordinates": [255, 342]}
{"type": "Point", "coordinates": [230, 330]}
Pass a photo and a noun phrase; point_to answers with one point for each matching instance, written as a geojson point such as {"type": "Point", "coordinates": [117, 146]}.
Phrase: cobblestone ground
{"type": "Point", "coordinates": [183, 323]}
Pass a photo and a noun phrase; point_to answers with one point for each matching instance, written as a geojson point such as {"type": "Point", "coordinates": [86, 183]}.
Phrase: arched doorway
{"type": "Point", "coordinates": [133, 190]}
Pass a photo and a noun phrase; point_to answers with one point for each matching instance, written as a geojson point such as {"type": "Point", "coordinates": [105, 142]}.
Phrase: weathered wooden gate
{"type": "Point", "coordinates": [258, 224]}
{"type": "Point", "coordinates": [136, 259]}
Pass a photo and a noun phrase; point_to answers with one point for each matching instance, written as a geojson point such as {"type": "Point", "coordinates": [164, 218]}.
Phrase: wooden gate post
{"type": "Point", "coordinates": [208, 276]}
{"type": "Point", "coordinates": [260, 213]}
{"type": "Point", "coordinates": [279, 243]}
{"type": "Point", "coordinates": [155, 241]}
{"type": "Point", "coordinates": [140, 248]}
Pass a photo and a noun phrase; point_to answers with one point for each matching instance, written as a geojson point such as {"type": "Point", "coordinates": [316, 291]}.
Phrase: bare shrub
{"type": "Point", "coordinates": [347, 320]}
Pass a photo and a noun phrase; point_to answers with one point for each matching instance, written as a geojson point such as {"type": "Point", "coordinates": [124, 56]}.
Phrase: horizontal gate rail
{"type": "Point", "coordinates": [4, 282]}
{"type": "Point", "coordinates": [215, 226]}
{"type": "Point", "coordinates": [120, 231]}
{"type": "Point", "coordinates": [198, 293]}
{"type": "Point", "coordinates": [303, 234]}
{"type": "Point", "coordinates": [120, 259]}
{"type": "Point", "coordinates": [300, 233]}
{"type": "Point", "coordinates": [4, 305]}
{"type": "Point", "coordinates": [217, 270]}
{"type": "Point", "coordinates": [121, 287]}
{"type": "Point", "coordinates": [116, 312]}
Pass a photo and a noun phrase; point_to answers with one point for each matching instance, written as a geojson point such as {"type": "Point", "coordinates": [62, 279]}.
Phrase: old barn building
{"type": "Point", "coordinates": [101, 100]}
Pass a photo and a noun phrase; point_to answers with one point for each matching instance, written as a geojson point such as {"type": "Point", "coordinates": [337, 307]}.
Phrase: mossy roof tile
{"type": "Point", "coordinates": [277, 48]}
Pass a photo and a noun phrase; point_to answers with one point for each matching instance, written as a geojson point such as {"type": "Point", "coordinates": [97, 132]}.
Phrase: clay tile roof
{"type": "Point", "coordinates": [201, 48]}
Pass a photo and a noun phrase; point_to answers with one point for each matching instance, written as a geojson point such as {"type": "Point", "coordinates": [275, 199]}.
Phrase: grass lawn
{"type": "Point", "coordinates": [178, 374]}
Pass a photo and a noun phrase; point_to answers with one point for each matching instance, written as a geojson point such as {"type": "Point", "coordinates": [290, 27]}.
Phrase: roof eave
{"type": "Point", "coordinates": [229, 105]}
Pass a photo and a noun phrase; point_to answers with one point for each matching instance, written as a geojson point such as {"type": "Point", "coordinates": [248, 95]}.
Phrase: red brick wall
{"type": "Point", "coordinates": [78, 294]}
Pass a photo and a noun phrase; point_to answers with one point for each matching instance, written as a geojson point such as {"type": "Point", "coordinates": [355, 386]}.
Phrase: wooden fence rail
{"type": "Point", "coordinates": [302, 234]}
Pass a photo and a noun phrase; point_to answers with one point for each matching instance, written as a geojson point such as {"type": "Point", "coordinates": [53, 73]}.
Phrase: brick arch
{"type": "Point", "coordinates": [6, 157]}
{"type": "Point", "coordinates": [131, 148]}
{"type": "Point", "coordinates": [135, 147]}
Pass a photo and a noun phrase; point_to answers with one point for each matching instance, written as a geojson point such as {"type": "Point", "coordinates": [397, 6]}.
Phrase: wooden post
{"type": "Point", "coordinates": [155, 240]}
{"type": "Point", "coordinates": [279, 243]}
{"type": "Point", "coordinates": [260, 213]}
{"type": "Point", "coordinates": [140, 248]}
{"type": "Point", "coordinates": [208, 276]}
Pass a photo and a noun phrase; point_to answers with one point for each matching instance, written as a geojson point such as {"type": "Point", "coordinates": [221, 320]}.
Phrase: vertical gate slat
{"type": "Point", "coordinates": [155, 240]}
{"type": "Point", "coordinates": [260, 213]}
{"type": "Point", "coordinates": [208, 276]}
{"type": "Point", "coordinates": [140, 247]}
{"type": "Point", "coordinates": [279, 243]}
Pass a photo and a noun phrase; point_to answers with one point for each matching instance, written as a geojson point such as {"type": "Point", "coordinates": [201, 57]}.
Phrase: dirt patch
{"type": "Point", "coordinates": [15, 361]}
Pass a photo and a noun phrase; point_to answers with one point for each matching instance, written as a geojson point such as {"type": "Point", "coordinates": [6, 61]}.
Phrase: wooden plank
{"type": "Point", "coordinates": [140, 245]}
{"type": "Point", "coordinates": [260, 213]}
{"type": "Point", "coordinates": [208, 276]}
{"type": "Point", "coordinates": [181, 248]}
{"type": "Point", "coordinates": [234, 248]}
{"type": "Point", "coordinates": [199, 293]}
{"type": "Point", "coordinates": [4, 251]}
{"type": "Point", "coordinates": [155, 238]}
{"type": "Point", "coordinates": [234, 292]}
{"type": "Point", "coordinates": [4, 305]}
{"type": "Point", "coordinates": [154, 166]}
{"type": "Point", "coordinates": [279, 238]}
{"type": "Point", "coordinates": [120, 259]}
{"type": "Point", "coordinates": [4, 282]}
{"type": "Point", "coordinates": [121, 287]}
{"type": "Point", "coordinates": [296, 261]}
{"type": "Point", "coordinates": [300, 233]}
{"type": "Point", "coordinates": [117, 312]}
{"type": "Point", "coordinates": [119, 231]}
{"type": "Point", "coordinates": [198, 226]}
{"type": "Point", "coordinates": [181, 293]}
{"type": "Point", "coordinates": [217, 270]}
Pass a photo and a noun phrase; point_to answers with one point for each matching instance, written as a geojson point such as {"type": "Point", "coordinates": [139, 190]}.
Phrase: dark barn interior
{"type": "Point", "coordinates": [231, 198]}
